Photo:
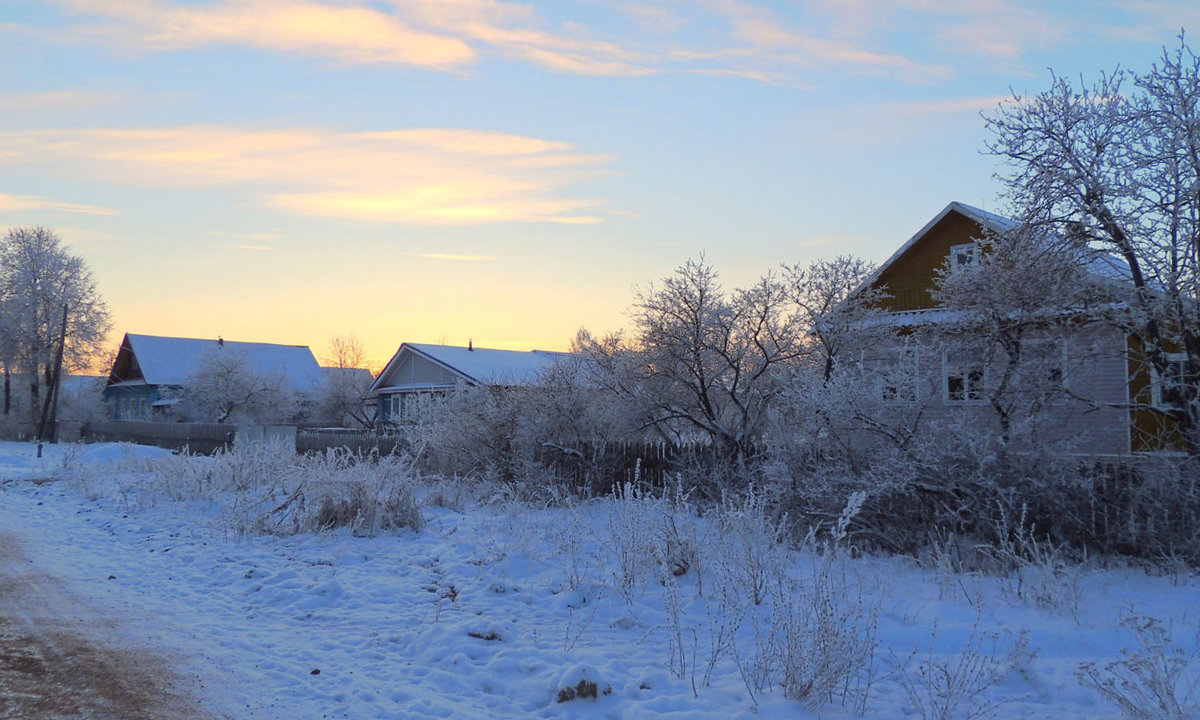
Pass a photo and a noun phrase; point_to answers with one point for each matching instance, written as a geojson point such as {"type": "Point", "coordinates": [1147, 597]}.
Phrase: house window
{"type": "Point", "coordinates": [962, 256]}
{"type": "Point", "coordinates": [408, 405]}
{"type": "Point", "coordinates": [1164, 388]}
{"type": "Point", "coordinates": [963, 376]}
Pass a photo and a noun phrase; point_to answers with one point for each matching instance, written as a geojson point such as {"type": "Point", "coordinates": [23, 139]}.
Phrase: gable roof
{"type": "Point", "coordinates": [1101, 264]}
{"type": "Point", "coordinates": [476, 366]}
{"type": "Point", "coordinates": [172, 360]}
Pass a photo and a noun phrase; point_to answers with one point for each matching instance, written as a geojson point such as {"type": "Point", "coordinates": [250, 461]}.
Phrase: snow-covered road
{"type": "Point", "coordinates": [62, 658]}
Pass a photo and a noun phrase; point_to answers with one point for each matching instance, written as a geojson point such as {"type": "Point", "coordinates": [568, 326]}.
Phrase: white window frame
{"type": "Point", "coordinates": [970, 251]}
{"type": "Point", "coordinates": [973, 391]}
{"type": "Point", "coordinates": [1156, 381]}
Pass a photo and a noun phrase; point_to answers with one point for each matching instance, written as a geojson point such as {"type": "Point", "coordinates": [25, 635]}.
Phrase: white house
{"type": "Point", "coordinates": [418, 372]}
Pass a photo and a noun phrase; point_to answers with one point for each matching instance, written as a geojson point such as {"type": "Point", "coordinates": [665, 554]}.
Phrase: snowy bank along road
{"type": "Point", "coordinates": [129, 588]}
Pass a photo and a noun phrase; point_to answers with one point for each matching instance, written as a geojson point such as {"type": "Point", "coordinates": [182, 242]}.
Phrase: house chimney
{"type": "Point", "coordinates": [470, 346]}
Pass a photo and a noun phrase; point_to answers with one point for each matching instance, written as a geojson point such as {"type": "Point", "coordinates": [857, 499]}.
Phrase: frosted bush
{"type": "Point", "coordinates": [949, 688]}
{"type": "Point", "coordinates": [631, 522]}
{"type": "Point", "coordinates": [269, 489]}
{"type": "Point", "coordinates": [1158, 681]}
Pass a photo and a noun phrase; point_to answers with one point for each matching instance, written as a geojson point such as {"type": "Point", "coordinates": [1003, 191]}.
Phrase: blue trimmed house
{"type": "Point", "coordinates": [151, 373]}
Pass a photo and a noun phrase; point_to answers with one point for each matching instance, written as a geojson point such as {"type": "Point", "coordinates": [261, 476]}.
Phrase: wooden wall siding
{"type": "Point", "coordinates": [115, 396]}
{"type": "Point", "coordinates": [909, 278]}
{"type": "Point", "coordinates": [418, 370]}
{"type": "Point", "coordinates": [1094, 423]}
{"type": "Point", "coordinates": [1151, 431]}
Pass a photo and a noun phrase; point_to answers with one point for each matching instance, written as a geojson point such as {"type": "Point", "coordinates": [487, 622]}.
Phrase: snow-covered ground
{"type": "Point", "coordinates": [494, 609]}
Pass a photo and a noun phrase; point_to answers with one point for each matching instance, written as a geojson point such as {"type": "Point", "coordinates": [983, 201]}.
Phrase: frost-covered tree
{"type": "Point", "coordinates": [39, 276]}
{"type": "Point", "coordinates": [702, 360]}
{"type": "Point", "coordinates": [346, 381]}
{"type": "Point", "coordinates": [1117, 165]}
{"type": "Point", "coordinates": [1008, 313]}
{"type": "Point", "coordinates": [225, 387]}
{"type": "Point", "coordinates": [834, 303]}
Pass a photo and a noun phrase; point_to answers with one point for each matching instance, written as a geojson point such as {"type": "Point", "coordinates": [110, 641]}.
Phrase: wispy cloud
{"type": "Point", "coordinates": [1154, 21]}
{"type": "Point", "coordinates": [765, 34]}
{"type": "Point", "coordinates": [25, 203]}
{"type": "Point", "coordinates": [453, 257]}
{"type": "Point", "coordinates": [257, 236]}
{"type": "Point", "coordinates": [50, 100]}
{"type": "Point", "coordinates": [253, 248]}
{"type": "Point", "coordinates": [425, 176]}
{"type": "Point", "coordinates": [799, 44]}
{"type": "Point", "coordinates": [515, 31]}
{"type": "Point", "coordinates": [725, 38]}
{"type": "Point", "coordinates": [349, 33]}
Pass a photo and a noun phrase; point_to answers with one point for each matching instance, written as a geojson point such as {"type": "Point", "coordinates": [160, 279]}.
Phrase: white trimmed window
{"type": "Point", "coordinates": [963, 374]}
{"type": "Point", "coordinates": [1162, 385]}
{"type": "Point", "coordinates": [962, 256]}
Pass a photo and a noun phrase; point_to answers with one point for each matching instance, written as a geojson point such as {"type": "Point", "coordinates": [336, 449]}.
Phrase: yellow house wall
{"type": "Point", "coordinates": [1151, 431]}
{"type": "Point", "coordinates": [909, 278]}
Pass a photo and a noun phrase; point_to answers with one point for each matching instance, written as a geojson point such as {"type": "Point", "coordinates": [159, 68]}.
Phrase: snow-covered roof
{"type": "Point", "coordinates": [1101, 264]}
{"type": "Point", "coordinates": [480, 366]}
{"type": "Point", "coordinates": [491, 367]}
{"type": "Point", "coordinates": [172, 360]}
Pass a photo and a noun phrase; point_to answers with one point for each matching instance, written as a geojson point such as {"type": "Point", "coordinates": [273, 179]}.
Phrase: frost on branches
{"type": "Point", "coordinates": [1116, 165]}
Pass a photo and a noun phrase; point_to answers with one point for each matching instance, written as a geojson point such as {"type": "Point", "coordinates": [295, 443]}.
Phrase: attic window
{"type": "Point", "coordinates": [962, 256]}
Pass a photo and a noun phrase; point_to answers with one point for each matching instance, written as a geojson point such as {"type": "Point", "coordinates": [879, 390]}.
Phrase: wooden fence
{"type": "Point", "coordinates": [598, 467]}
{"type": "Point", "coordinates": [200, 438]}
{"type": "Point", "coordinates": [591, 466]}
{"type": "Point", "coordinates": [317, 440]}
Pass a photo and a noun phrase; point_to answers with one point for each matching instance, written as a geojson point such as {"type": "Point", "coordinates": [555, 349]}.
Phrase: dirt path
{"type": "Point", "coordinates": [55, 662]}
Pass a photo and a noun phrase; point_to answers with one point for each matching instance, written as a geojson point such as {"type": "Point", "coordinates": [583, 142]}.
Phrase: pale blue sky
{"type": "Point", "coordinates": [445, 170]}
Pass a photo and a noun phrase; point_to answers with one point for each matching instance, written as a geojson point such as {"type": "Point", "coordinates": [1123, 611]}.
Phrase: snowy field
{"type": "Point", "coordinates": [498, 609]}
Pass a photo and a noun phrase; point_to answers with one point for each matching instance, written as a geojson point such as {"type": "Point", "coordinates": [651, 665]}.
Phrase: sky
{"type": "Point", "coordinates": [504, 173]}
